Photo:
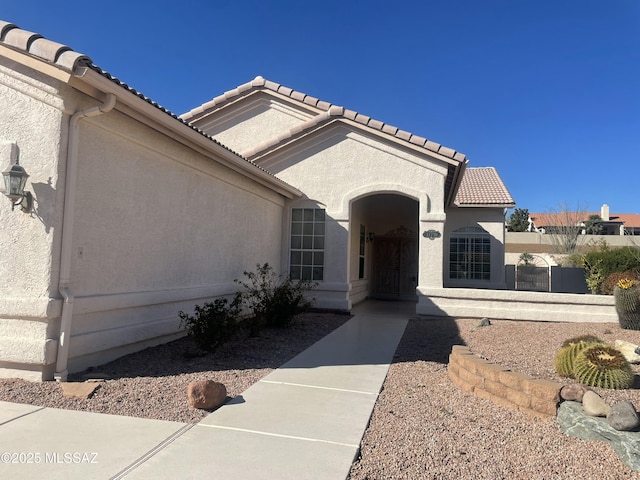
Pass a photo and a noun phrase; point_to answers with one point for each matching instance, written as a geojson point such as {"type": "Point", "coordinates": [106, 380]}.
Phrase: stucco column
{"type": "Point", "coordinates": [333, 291]}
{"type": "Point", "coordinates": [431, 247]}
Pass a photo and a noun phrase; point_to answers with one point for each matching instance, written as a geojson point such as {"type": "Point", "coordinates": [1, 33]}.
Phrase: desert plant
{"type": "Point", "coordinates": [213, 323]}
{"type": "Point", "coordinates": [627, 298]}
{"type": "Point", "coordinates": [569, 350]}
{"type": "Point", "coordinates": [609, 284]}
{"type": "Point", "coordinates": [273, 300]}
{"type": "Point", "coordinates": [593, 274]}
{"type": "Point", "coordinates": [604, 367]}
{"type": "Point", "coordinates": [526, 259]}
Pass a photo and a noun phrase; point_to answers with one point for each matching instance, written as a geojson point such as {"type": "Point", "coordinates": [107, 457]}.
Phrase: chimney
{"type": "Point", "coordinates": [604, 212]}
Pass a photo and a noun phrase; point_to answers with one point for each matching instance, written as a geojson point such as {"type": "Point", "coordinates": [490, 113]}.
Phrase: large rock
{"type": "Point", "coordinates": [573, 392]}
{"type": "Point", "coordinates": [79, 390]}
{"type": "Point", "coordinates": [575, 423]}
{"type": "Point", "coordinates": [206, 394]}
{"type": "Point", "coordinates": [594, 405]}
{"type": "Point", "coordinates": [629, 350]}
{"type": "Point", "coordinates": [623, 416]}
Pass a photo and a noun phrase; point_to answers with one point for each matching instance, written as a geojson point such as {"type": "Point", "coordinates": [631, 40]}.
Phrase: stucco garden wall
{"type": "Point", "coordinates": [516, 305]}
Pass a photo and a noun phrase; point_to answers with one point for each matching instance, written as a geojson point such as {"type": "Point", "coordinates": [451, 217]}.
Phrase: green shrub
{"type": "Point", "coordinates": [273, 300]}
{"type": "Point", "coordinates": [213, 323]}
{"type": "Point", "coordinates": [614, 260]}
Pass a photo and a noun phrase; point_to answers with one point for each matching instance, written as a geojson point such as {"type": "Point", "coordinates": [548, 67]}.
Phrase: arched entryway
{"type": "Point", "coordinates": [385, 257]}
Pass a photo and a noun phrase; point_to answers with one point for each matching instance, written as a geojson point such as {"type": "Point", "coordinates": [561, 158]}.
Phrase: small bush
{"type": "Point", "coordinates": [614, 259]}
{"type": "Point", "coordinates": [611, 281]}
{"type": "Point", "coordinates": [213, 323]}
{"type": "Point", "coordinates": [273, 300]}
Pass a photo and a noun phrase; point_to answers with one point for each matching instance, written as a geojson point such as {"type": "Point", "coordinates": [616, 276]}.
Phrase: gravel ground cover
{"type": "Point", "coordinates": [423, 426]}
{"type": "Point", "coordinates": [153, 383]}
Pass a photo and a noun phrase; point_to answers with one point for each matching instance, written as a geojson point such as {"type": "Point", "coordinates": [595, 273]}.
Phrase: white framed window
{"type": "Point", "coordinates": [470, 254]}
{"type": "Point", "coordinates": [306, 259]}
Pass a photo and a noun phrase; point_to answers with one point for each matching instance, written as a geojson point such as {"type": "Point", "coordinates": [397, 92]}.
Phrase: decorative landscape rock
{"type": "Point", "coordinates": [629, 350]}
{"type": "Point", "coordinates": [594, 405]}
{"type": "Point", "coordinates": [485, 322]}
{"type": "Point", "coordinates": [79, 389]}
{"type": "Point", "coordinates": [623, 416]}
{"type": "Point", "coordinates": [573, 392]}
{"type": "Point", "coordinates": [206, 394]}
{"type": "Point", "coordinates": [575, 423]}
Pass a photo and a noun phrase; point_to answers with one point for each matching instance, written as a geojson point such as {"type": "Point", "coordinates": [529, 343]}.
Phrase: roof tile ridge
{"type": "Point", "coordinates": [35, 44]}
{"type": "Point", "coordinates": [261, 82]}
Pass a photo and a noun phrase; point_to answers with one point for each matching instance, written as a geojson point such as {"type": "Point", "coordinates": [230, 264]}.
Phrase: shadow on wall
{"type": "Point", "coordinates": [44, 203]}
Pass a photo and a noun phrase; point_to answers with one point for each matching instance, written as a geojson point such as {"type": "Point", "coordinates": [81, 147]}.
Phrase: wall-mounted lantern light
{"type": "Point", "coordinates": [370, 237]}
{"type": "Point", "coordinates": [15, 178]}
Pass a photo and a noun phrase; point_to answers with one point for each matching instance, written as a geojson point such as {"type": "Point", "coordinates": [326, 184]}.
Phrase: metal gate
{"type": "Point", "coordinates": [395, 265]}
{"type": "Point", "coordinates": [534, 275]}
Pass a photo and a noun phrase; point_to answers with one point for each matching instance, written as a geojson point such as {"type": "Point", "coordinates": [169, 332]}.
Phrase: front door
{"type": "Point", "coordinates": [395, 267]}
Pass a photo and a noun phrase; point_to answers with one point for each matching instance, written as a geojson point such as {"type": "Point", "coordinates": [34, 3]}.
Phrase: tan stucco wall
{"type": "Point", "coordinates": [158, 227]}
{"type": "Point", "coordinates": [517, 305]}
{"type": "Point", "coordinates": [339, 166]}
{"type": "Point", "coordinates": [32, 126]}
{"type": "Point", "coordinates": [252, 121]}
{"type": "Point", "coordinates": [489, 219]}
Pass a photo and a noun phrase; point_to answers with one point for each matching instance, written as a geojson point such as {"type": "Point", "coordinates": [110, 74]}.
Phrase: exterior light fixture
{"type": "Point", "coordinates": [15, 178]}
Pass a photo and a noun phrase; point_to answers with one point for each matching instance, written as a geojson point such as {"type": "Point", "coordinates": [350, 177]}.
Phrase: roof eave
{"type": "Point", "coordinates": [485, 205]}
{"type": "Point", "coordinates": [457, 179]}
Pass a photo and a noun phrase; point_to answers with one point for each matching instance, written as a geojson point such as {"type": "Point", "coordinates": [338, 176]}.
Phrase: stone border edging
{"type": "Point", "coordinates": [503, 387]}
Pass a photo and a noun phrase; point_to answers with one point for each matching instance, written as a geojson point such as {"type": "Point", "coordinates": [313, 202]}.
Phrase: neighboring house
{"type": "Point", "coordinates": [139, 214]}
{"type": "Point", "coordinates": [611, 224]}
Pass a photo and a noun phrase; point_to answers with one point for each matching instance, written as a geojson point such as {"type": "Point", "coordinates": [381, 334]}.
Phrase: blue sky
{"type": "Point", "coordinates": [546, 91]}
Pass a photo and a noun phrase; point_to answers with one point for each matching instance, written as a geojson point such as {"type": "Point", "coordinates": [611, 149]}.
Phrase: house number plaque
{"type": "Point", "coordinates": [431, 234]}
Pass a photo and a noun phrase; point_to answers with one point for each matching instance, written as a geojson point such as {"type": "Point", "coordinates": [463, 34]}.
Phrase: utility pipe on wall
{"type": "Point", "coordinates": [66, 320]}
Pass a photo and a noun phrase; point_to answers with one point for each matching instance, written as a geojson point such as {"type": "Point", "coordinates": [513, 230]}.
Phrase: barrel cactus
{"type": "Point", "coordinates": [604, 367]}
{"type": "Point", "coordinates": [627, 297]}
{"type": "Point", "coordinates": [565, 358]}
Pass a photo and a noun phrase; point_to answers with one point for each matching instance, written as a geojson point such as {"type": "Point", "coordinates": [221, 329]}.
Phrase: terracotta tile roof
{"type": "Point", "coordinates": [541, 220]}
{"type": "Point", "coordinates": [38, 46]}
{"type": "Point", "coordinates": [65, 58]}
{"type": "Point", "coordinates": [327, 111]}
{"type": "Point", "coordinates": [483, 186]}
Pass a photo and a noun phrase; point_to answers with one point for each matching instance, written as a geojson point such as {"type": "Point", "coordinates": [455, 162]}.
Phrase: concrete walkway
{"type": "Point", "coordinates": [305, 420]}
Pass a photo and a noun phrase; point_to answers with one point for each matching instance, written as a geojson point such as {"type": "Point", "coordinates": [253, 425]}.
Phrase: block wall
{"type": "Point", "coordinates": [513, 390]}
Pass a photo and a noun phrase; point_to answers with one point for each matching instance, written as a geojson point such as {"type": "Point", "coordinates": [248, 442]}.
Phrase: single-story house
{"type": "Point", "coordinates": [133, 213]}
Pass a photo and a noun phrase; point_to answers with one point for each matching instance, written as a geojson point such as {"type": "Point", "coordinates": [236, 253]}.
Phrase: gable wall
{"type": "Point", "coordinates": [339, 162]}
{"type": "Point", "coordinates": [251, 121]}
